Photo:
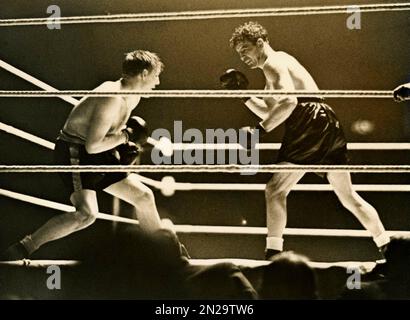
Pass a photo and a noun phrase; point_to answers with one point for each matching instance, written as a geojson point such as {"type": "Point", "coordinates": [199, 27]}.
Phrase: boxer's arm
{"type": "Point", "coordinates": [98, 140]}
{"type": "Point", "coordinates": [278, 108]}
{"type": "Point", "coordinates": [257, 106]}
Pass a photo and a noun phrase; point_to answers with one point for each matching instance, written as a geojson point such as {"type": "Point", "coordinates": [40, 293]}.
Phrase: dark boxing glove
{"type": "Point", "coordinates": [136, 130]}
{"type": "Point", "coordinates": [402, 92]}
{"type": "Point", "coordinates": [234, 80]}
{"type": "Point", "coordinates": [128, 153]}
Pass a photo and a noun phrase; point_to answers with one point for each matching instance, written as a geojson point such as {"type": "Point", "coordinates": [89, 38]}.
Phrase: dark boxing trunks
{"type": "Point", "coordinates": [313, 135]}
{"type": "Point", "coordinates": [68, 153]}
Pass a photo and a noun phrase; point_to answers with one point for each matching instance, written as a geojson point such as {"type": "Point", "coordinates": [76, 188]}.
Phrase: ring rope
{"type": "Point", "coordinates": [273, 146]}
{"type": "Point", "coordinates": [168, 186]}
{"type": "Point", "coordinates": [215, 146]}
{"type": "Point", "coordinates": [378, 146]}
{"type": "Point", "coordinates": [60, 206]}
{"type": "Point", "coordinates": [40, 263]}
{"type": "Point", "coordinates": [202, 93]}
{"type": "Point", "coordinates": [27, 136]}
{"type": "Point", "coordinates": [362, 265]}
{"type": "Point", "coordinates": [74, 101]}
{"type": "Point", "coordinates": [206, 229]}
{"type": "Point", "coordinates": [38, 83]}
{"type": "Point", "coordinates": [268, 168]}
{"type": "Point", "coordinates": [185, 186]}
{"type": "Point", "coordinates": [49, 89]}
{"type": "Point", "coordinates": [180, 186]}
{"type": "Point", "coordinates": [276, 146]}
{"type": "Point", "coordinates": [207, 14]}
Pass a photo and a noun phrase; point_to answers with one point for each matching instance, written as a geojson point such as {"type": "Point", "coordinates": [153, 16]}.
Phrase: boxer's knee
{"type": "Point", "coordinates": [275, 190]}
{"type": "Point", "coordinates": [350, 199]}
{"type": "Point", "coordinates": [85, 202]}
{"type": "Point", "coordinates": [85, 216]}
{"type": "Point", "coordinates": [139, 194]}
{"type": "Point", "coordinates": [145, 195]}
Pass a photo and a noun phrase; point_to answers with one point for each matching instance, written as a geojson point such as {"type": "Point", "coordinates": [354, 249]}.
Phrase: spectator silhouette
{"type": "Point", "coordinates": [137, 265]}
{"type": "Point", "coordinates": [390, 280]}
{"type": "Point", "coordinates": [288, 276]}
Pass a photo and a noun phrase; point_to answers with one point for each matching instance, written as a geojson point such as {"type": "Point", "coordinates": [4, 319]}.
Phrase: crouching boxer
{"type": "Point", "coordinates": [95, 127]}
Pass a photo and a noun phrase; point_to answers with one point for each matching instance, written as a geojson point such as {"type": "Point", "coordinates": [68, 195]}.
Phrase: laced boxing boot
{"type": "Point", "coordinates": [270, 253]}
{"type": "Point", "coordinates": [16, 251]}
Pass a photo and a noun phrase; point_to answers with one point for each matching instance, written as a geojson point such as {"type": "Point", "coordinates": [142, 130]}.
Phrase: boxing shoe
{"type": "Point", "coordinates": [270, 253]}
{"type": "Point", "coordinates": [15, 252]}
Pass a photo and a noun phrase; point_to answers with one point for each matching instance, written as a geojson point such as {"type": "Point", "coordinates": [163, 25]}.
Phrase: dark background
{"type": "Point", "coordinates": [195, 53]}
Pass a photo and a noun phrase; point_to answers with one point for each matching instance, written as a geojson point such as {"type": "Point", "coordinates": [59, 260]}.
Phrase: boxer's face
{"type": "Point", "coordinates": [249, 53]}
{"type": "Point", "coordinates": [151, 79]}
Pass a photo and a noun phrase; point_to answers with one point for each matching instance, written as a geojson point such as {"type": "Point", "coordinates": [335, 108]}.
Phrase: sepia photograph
{"type": "Point", "coordinates": [182, 151]}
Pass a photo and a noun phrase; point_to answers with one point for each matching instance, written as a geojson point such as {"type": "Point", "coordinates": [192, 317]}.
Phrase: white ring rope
{"type": "Point", "coordinates": [206, 229]}
{"type": "Point", "coordinates": [207, 14]}
{"type": "Point", "coordinates": [201, 93]}
{"type": "Point", "coordinates": [53, 92]}
{"type": "Point", "coordinates": [40, 263]}
{"type": "Point", "coordinates": [185, 186]}
{"type": "Point", "coordinates": [38, 83]}
{"type": "Point", "coordinates": [176, 146]}
{"type": "Point", "coordinates": [362, 265]}
{"type": "Point", "coordinates": [60, 206]}
{"type": "Point", "coordinates": [378, 146]}
{"type": "Point", "coordinates": [276, 146]}
{"type": "Point", "coordinates": [72, 101]}
{"type": "Point", "coordinates": [168, 186]}
{"type": "Point", "coordinates": [27, 136]}
{"type": "Point", "coordinates": [232, 168]}
{"type": "Point", "coordinates": [366, 266]}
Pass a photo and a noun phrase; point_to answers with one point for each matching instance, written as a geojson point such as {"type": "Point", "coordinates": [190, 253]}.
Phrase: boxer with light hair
{"type": "Point", "coordinates": [100, 131]}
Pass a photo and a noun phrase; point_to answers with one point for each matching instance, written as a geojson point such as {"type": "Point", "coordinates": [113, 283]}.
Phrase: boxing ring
{"type": "Point", "coordinates": [168, 185]}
